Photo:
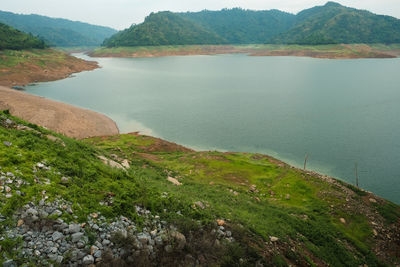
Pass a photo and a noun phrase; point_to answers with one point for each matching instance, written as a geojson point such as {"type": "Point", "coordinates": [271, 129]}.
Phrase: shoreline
{"type": "Point", "coordinates": [340, 51]}
{"type": "Point", "coordinates": [62, 118]}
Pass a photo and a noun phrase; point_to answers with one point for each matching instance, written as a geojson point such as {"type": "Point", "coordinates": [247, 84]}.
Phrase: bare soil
{"type": "Point", "coordinates": [62, 118]}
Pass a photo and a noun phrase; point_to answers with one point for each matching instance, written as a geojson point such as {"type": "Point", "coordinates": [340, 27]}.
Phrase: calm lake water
{"type": "Point", "coordinates": [338, 111]}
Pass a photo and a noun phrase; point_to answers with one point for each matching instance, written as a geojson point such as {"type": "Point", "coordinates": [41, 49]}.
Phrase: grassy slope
{"type": "Point", "coordinates": [302, 209]}
{"type": "Point", "coordinates": [329, 51]}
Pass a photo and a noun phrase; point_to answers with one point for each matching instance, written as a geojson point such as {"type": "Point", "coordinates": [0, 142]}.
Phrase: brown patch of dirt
{"type": "Point", "coordinates": [347, 52]}
{"type": "Point", "coordinates": [29, 72]}
{"type": "Point", "coordinates": [160, 145]}
{"type": "Point", "coordinates": [62, 118]}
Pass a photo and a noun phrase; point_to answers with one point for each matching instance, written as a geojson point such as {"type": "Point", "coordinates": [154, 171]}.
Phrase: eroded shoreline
{"type": "Point", "coordinates": [340, 51]}
{"type": "Point", "coordinates": [62, 118]}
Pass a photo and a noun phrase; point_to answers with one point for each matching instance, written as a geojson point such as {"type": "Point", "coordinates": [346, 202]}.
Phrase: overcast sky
{"type": "Point", "coordinates": [121, 14]}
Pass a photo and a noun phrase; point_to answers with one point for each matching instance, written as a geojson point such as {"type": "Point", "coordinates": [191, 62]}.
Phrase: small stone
{"type": "Point", "coordinates": [97, 254]}
{"type": "Point", "coordinates": [88, 260]}
{"type": "Point", "coordinates": [180, 240]}
{"type": "Point", "coordinates": [9, 263]}
{"type": "Point", "coordinates": [168, 248]}
{"type": "Point", "coordinates": [76, 237]}
{"type": "Point", "coordinates": [375, 232]}
{"type": "Point", "coordinates": [342, 220]}
{"type": "Point", "coordinates": [74, 228]}
{"type": "Point", "coordinates": [20, 222]}
{"type": "Point", "coordinates": [8, 189]}
{"type": "Point", "coordinates": [287, 197]}
{"type": "Point", "coordinates": [6, 143]}
{"type": "Point", "coordinates": [40, 165]}
{"type": "Point", "coordinates": [64, 179]}
{"type": "Point", "coordinates": [220, 222]}
{"type": "Point", "coordinates": [56, 236]}
{"type": "Point", "coordinates": [273, 238]}
{"type": "Point", "coordinates": [372, 200]}
{"type": "Point", "coordinates": [200, 205]}
{"type": "Point", "coordinates": [174, 181]}
{"type": "Point", "coordinates": [125, 163]}
{"type": "Point", "coordinates": [57, 213]}
{"type": "Point", "coordinates": [106, 242]}
{"type": "Point", "coordinates": [9, 195]}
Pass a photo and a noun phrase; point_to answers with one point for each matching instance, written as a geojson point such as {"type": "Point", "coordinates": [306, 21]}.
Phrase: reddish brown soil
{"type": "Point", "coordinates": [29, 72]}
{"type": "Point", "coordinates": [62, 118]}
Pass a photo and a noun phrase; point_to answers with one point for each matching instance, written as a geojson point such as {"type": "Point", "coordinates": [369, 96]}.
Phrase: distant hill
{"type": "Point", "coordinates": [11, 38]}
{"type": "Point", "coordinates": [334, 23]}
{"type": "Point", "coordinates": [164, 28]}
{"type": "Point", "coordinates": [328, 24]}
{"type": "Point", "coordinates": [240, 26]}
{"type": "Point", "coordinates": [58, 32]}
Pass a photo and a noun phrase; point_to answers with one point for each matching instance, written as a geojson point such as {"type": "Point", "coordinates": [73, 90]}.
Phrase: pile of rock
{"type": "Point", "coordinates": [46, 238]}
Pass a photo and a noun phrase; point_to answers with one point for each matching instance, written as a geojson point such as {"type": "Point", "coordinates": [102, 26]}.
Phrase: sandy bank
{"type": "Point", "coordinates": [62, 118]}
{"type": "Point", "coordinates": [341, 51]}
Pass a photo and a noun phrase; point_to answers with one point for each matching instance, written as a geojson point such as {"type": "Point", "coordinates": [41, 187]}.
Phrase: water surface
{"type": "Point", "coordinates": [338, 111]}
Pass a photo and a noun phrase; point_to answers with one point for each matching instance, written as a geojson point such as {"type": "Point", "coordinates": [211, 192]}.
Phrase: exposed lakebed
{"type": "Point", "coordinates": [339, 112]}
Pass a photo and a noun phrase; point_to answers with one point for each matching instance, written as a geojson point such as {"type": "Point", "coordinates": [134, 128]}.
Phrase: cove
{"type": "Point", "coordinates": [339, 112]}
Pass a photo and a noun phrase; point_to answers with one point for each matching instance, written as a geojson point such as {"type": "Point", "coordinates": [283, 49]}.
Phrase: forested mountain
{"type": "Point", "coordinates": [58, 32]}
{"type": "Point", "coordinates": [11, 38]}
{"type": "Point", "coordinates": [334, 23]}
{"type": "Point", "coordinates": [240, 26]}
{"type": "Point", "coordinates": [331, 23]}
{"type": "Point", "coordinates": [164, 28]}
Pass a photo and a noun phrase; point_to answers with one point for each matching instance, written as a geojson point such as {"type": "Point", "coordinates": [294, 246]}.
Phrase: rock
{"type": "Point", "coordinates": [8, 189]}
{"type": "Point", "coordinates": [9, 263]}
{"type": "Point", "coordinates": [372, 200]}
{"type": "Point", "coordinates": [6, 143]}
{"type": "Point", "coordinates": [105, 242]}
{"type": "Point", "coordinates": [88, 260]}
{"type": "Point", "coordinates": [74, 228]}
{"type": "Point", "coordinates": [125, 163]}
{"type": "Point", "coordinates": [97, 254]}
{"type": "Point", "coordinates": [342, 220]}
{"type": "Point", "coordinates": [179, 240]}
{"type": "Point", "coordinates": [200, 205]}
{"type": "Point", "coordinates": [174, 181]}
{"type": "Point", "coordinates": [20, 222]}
{"type": "Point", "coordinates": [287, 197]}
{"type": "Point", "coordinates": [158, 240]}
{"type": "Point", "coordinates": [56, 236]}
{"type": "Point", "coordinates": [273, 238]}
{"type": "Point", "coordinates": [220, 222]}
{"type": "Point", "coordinates": [64, 179]}
{"type": "Point", "coordinates": [76, 237]}
{"type": "Point", "coordinates": [168, 248]}
{"type": "Point", "coordinates": [375, 232]}
{"type": "Point", "coordinates": [57, 213]}
{"type": "Point", "coordinates": [110, 162]}
{"type": "Point", "coordinates": [40, 165]}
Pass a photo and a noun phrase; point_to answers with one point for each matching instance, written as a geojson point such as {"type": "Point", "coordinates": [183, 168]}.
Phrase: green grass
{"type": "Point", "coordinates": [41, 57]}
{"type": "Point", "coordinates": [221, 181]}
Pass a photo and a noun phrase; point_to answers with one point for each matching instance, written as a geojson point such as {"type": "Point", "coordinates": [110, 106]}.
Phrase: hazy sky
{"type": "Point", "coordinates": [121, 14]}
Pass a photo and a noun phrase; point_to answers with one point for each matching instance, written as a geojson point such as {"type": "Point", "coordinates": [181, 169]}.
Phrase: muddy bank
{"type": "Point", "coordinates": [62, 118]}
{"type": "Point", "coordinates": [30, 66]}
{"type": "Point", "coordinates": [332, 52]}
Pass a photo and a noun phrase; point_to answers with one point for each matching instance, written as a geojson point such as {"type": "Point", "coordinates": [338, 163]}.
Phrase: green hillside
{"type": "Point", "coordinates": [164, 28]}
{"type": "Point", "coordinates": [11, 38]}
{"type": "Point", "coordinates": [328, 24]}
{"type": "Point", "coordinates": [133, 200]}
{"type": "Point", "coordinates": [58, 32]}
{"type": "Point", "coordinates": [334, 23]}
{"type": "Point", "coordinates": [239, 26]}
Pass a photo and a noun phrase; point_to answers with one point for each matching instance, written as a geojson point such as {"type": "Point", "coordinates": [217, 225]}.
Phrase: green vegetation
{"type": "Point", "coordinates": [334, 23]}
{"type": "Point", "coordinates": [11, 38]}
{"type": "Point", "coordinates": [164, 28]}
{"type": "Point", "coordinates": [258, 196]}
{"type": "Point", "coordinates": [58, 32]}
{"type": "Point", "coordinates": [328, 24]}
{"type": "Point", "coordinates": [239, 26]}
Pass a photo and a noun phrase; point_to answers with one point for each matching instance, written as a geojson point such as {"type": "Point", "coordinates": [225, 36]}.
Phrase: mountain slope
{"type": "Point", "coordinates": [240, 26]}
{"type": "Point", "coordinates": [334, 23]}
{"type": "Point", "coordinates": [164, 28]}
{"type": "Point", "coordinates": [11, 38]}
{"type": "Point", "coordinates": [58, 32]}
{"type": "Point", "coordinates": [133, 200]}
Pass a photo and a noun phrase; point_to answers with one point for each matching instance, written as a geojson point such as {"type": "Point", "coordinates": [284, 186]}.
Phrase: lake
{"type": "Point", "coordinates": [339, 112]}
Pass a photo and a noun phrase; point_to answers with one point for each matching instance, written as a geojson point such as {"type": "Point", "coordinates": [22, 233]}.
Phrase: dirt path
{"type": "Point", "coordinates": [62, 118]}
